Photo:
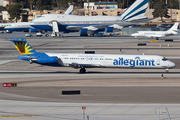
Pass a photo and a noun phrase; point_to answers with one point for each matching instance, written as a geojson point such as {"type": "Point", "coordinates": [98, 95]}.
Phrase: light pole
{"type": "Point", "coordinates": [88, 7]}
{"type": "Point", "coordinates": [121, 8]}
{"type": "Point", "coordinates": [83, 108]}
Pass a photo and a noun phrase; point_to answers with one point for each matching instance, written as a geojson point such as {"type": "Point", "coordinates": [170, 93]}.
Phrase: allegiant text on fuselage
{"type": "Point", "coordinates": [134, 63]}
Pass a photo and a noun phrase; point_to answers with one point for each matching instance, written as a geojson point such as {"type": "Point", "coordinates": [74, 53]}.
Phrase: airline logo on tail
{"type": "Point", "coordinates": [136, 10]}
{"type": "Point", "coordinates": [22, 46]}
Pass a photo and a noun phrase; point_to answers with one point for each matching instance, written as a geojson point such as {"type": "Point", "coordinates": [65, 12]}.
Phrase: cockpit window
{"type": "Point", "coordinates": [164, 59]}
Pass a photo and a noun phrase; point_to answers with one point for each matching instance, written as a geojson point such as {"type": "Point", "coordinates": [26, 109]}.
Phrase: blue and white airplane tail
{"type": "Point", "coordinates": [29, 54]}
{"type": "Point", "coordinates": [22, 46]}
{"type": "Point", "coordinates": [136, 11]}
{"type": "Point", "coordinates": [69, 10]}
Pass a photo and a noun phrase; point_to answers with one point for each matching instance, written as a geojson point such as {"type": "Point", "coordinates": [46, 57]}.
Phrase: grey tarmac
{"type": "Point", "coordinates": [107, 93]}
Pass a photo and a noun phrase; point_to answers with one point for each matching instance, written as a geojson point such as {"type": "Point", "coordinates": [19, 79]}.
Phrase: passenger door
{"type": "Point", "coordinates": [158, 61]}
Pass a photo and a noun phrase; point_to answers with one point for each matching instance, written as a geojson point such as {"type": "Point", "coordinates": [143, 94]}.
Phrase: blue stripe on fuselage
{"type": "Point", "coordinates": [63, 27]}
{"type": "Point", "coordinates": [43, 27]}
{"type": "Point", "coordinates": [2, 28]}
{"type": "Point", "coordinates": [18, 29]}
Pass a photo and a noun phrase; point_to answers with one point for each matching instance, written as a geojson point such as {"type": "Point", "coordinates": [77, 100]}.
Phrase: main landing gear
{"type": "Point", "coordinates": [82, 70]}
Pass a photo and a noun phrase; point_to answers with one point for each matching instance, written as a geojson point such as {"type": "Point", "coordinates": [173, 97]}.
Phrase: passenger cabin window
{"type": "Point", "coordinates": [164, 59]}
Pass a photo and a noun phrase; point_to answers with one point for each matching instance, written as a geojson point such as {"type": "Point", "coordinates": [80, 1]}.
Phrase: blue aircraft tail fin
{"type": "Point", "coordinates": [135, 11]}
{"type": "Point", "coordinates": [22, 46]}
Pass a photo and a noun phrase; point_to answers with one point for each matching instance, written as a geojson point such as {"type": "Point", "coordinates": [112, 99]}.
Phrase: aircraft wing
{"type": "Point", "coordinates": [117, 25]}
{"type": "Point", "coordinates": [92, 28]}
{"type": "Point", "coordinates": [96, 27]}
{"type": "Point", "coordinates": [83, 65]}
{"type": "Point", "coordinates": [141, 20]}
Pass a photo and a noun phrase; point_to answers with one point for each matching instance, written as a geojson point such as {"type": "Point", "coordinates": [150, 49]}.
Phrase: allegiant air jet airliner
{"type": "Point", "coordinates": [84, 61]}
{"type": "Point", "coordinates": [84, 24]}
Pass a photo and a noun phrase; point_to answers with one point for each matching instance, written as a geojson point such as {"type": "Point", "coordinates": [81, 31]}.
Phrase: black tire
{"type": "Point", "coordinates": [92, 35]}
{"type": "Point", "coordinates": [83, 34]}
{"type": "Point", "coordinates": [82, 70]}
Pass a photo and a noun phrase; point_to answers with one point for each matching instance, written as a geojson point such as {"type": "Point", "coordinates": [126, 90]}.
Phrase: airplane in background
{"type": "Point", "coordinates": [25, 26]}
{"type": "Point", "coordinates": [69, 10]}
{"type": "Point", "coordinates": [158, 34]}
{"type": "Point", "coordinates": [93, 24]}
{"type": "Point", "coordinates": [84, 61]}
{"type": "Point", "coordinates": [20, 26]}
{"type": "Point", "coordinates": [3, 25]}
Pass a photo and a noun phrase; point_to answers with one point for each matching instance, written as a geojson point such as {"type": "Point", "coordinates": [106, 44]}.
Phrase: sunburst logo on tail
{"type": "Point", "coordinates": [23, 47]}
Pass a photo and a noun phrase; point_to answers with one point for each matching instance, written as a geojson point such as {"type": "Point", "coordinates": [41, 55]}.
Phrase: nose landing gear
{"type": "Point", "coordinates": [167, 70]}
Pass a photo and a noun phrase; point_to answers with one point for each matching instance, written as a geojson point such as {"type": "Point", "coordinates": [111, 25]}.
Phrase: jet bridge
{"type": "Point", "coordinates": [55, 28]}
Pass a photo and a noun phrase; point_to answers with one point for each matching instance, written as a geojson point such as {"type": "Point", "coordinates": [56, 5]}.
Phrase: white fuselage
{"type": "Point", "coordinates": [74, 23]}
{"type": "Point", "coordinates": [3, 25]}
{"type": "Point", "coordinates": [152, 33]}
{"type": "Point", "coordinates": [113, 61]}
{"type": "Point", "coordinates": [79, 20]}
{"type": "Point", "coordinates": [19, 25]}
{"type": "Point", "coordinates": [75, 19]}
{"type": "Point", "coordinates": [158, 34]}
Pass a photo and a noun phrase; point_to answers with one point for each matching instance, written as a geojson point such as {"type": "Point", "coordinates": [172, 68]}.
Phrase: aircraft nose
{"type": "Point", "coordinates": [133, 34]}
{"type": "Point", "coordinates": [172, 65]}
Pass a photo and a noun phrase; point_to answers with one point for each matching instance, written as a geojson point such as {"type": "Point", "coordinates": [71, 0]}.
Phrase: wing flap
{"type": "Point", "coordinates": [92, 28]}
{"type": "Point", "coordinates": [143, 20]}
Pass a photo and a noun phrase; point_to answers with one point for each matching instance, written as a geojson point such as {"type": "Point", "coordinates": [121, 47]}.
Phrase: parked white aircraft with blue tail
{"type": "Point", "coordinates": [85, 24]}
{"type": "Point", "coordinates": [25, 26]}
{"type": "Point", "coordinates": [84, 61]}
{"type": "Point", "coordinates": [158, 34]}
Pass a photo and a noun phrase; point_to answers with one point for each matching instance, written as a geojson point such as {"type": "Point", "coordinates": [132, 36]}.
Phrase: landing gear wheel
{"type": "Point", "coordinates": [59, 35]}
{"type": "Point", "coordinates": [47, 35]}
{"type": "Point", "coordinates": [82, 70]}
{"type": "Point", "coordinates": [167, 70]}
{"type": "Point", "coordinates": [92, 35]}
